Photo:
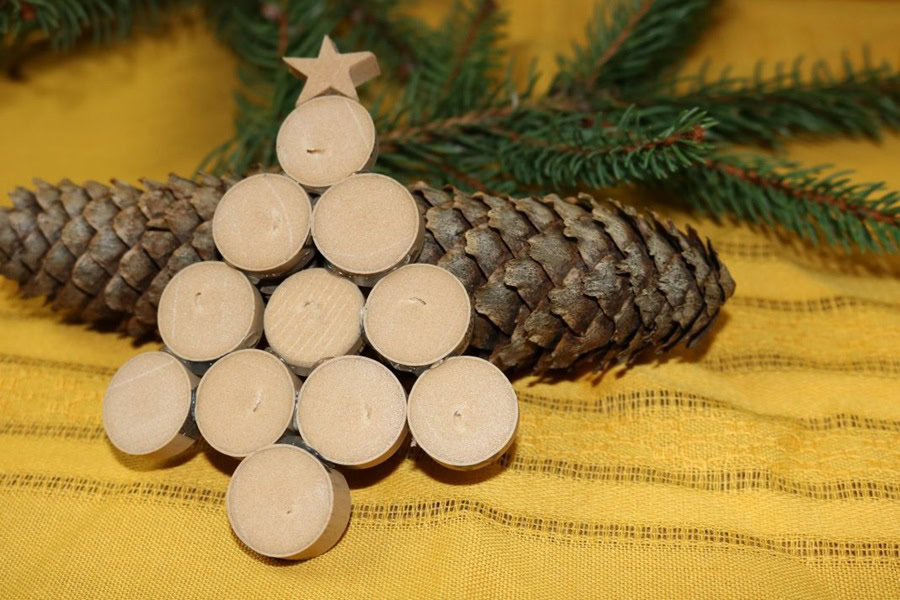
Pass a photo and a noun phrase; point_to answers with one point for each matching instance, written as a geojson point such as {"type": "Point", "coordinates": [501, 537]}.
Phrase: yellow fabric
{"type": "Point", "coordinates": [764, 464]}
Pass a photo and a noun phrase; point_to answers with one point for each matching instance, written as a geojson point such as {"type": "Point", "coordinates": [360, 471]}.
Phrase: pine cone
{"type": "Point", "coordinates": [551, 282]}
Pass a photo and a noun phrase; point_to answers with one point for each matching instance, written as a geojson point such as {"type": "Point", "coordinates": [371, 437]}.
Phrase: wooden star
{"type": "Point", "coordinates": [332, 72]}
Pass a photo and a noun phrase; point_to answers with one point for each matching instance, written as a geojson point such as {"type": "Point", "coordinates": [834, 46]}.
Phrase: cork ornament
{"type": "Point", "coordinates": [283, 502]}
{"type": "Point", "coordinates": [417, 316]}
{"type": "Point", "coordinates": [352, 410]}
{"type": "Point", "coordinates": [463, 413]}
{"type": "Point", "coordinates": [325, 140]}
{"type": "Point", "coordinates": [287, 498]}
{"type": "Point", "coordinates": [366, 226]}
{"type": "Point", "coordinates": [147, 406]}
{"type": "Point", "coordinates": [330, 135]}
{"type": "Point", "coordinates": [245, 402]}
{"type": "Point", "coordinates": [314, 315]}
{"type": "Point", "coordinates": [208, 310]}
{"type": "Point", "coordinates": [262, 225]}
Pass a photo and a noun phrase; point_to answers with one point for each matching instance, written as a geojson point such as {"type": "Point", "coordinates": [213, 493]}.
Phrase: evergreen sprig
{"type": "Point", "coordinates": [448, 111]}
{"type": "Point", "coordinates": [27, 26]}
{"type": "Point", "coordinates": [630, 44]}
{"type": "Point", "coordinates": [760, 109]}
{"type": "Point", "coordinates": [809, 201]}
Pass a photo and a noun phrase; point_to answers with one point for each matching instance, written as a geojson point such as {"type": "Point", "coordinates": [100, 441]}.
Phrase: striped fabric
{"type": "Point", "coordinates": [764, 463]}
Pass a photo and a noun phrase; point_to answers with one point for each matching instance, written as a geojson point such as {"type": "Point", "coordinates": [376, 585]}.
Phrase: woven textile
{"type": "Point", "coordinates": [765, 463]}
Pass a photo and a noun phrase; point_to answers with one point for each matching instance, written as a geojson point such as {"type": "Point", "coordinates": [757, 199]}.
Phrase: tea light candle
{"type": "Point", "coordinates": [463, 413]}
{"type": "Point", "coordinates": [245, 402]}
{"type": "Point", "coordinates": [313, 315]}
{"type": "Point", "coordinates": [324, 140]}
{"type": "Point", "coordinates": [262, 225]}
{"type": "Point", "coordinates": [352, 410]}
{"type": "Point", "coordinates": [208, 310]}
{"type": "Point", "coordinates": [283, 502]}
{"type": "Point", "coordinates": [147, 406]}
{"type": "Point", "coordinates": [367, 225]}
{"type": "Point", "coordinates": [418, 315]}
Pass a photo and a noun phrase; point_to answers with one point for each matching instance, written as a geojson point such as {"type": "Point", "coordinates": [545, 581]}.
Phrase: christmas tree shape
{"type": "Point", "coordinates": [287, 499]}
{"type": "Point", "coordinates": [546, 283]}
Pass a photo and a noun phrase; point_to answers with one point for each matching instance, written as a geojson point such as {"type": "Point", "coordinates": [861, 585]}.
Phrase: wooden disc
{"type": "Point", "coordinates": [284, 503]}
{"type": "Point", "coordinates": [324, 140]}
{"type": "Point", "coordinates": [367, 225]}
{"type": "Point", "coordinates": [208, 310]}
{"type": "Point", "coordinates": [418, 315]}
{"type": "Point", "coordinates": [245, 402]}
{"type": "Point", "coordinates": [147, 405]}
{"type": "Point", "coordinates": [313, 315]}
{"type": "Point", "coordinates": [352, 410]}
{"type": "Point", "coordinates": [463, 412]}
{"type": "Point", "coordinates": [262, 225]}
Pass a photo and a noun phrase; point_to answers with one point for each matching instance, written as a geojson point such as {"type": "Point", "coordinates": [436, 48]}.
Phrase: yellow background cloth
{"type": "Point", "coordinates": [765, 463]}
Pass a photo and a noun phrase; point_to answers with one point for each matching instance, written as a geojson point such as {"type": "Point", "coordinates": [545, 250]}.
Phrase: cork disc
{"type": "Point", "coordinates": [417, 315]}
{"type": "Point", "coordinates": [463, 413]}
{"type": "Point", "coordinates": [367, 225]}
{"type": "Point", "coordinates": [147, 402]}
{"type": "Point", "coordinates": [245, 402]}
{"type": "Point", "coordinates": [324, 140]}
{"type": "Point", "coordinates": [209, 309]}
{"type": "Point", "coordinates": [314, 314]}
{"type": "Point", "coordinates": [262, 224]}
{"type": "Point", "coordinates": [352, 410]}
{"type": "Point", "coordinates": [282, 502]}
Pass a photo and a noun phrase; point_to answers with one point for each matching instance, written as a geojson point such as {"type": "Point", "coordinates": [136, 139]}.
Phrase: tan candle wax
{"type": "Point", "coordinates": [324, 140]}
{"type": "Point", "coordinates": [262, 225]}
{"type": "Point", "coordinates": [418, 315]}
{"type": "Point", "coordinates": [209, 309]}
{"type": "Point", "coordinates": [283, 502]}
{"type": "Point", "coordinates": [352, 410]}
{"type": "Point", "coordinates": [463, 412]}
{"type": "Point", "coordinates": [367, 225]}
{"type": "Point", "coordinates": [245, 402]}
{"type": "Point", "coordinates": [313, 315]}
{"type": "Point", "coordinates": [147, 406]}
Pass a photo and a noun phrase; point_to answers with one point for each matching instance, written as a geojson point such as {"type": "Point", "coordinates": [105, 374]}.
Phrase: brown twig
{"type": "Point", "coordinates": [618, 42]}
{"type": "Point", "coordinates": [696, 134]}
{"type": "Point", "coordinates": [488, 7]}
{"type": "Point", "coordinates": [474, 118]}
{"type": "Point", "coordinates": [860, 211]}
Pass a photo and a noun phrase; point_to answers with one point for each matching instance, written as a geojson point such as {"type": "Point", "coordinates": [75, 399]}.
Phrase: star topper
{"type": "Point", "coordinates": [332, 72]}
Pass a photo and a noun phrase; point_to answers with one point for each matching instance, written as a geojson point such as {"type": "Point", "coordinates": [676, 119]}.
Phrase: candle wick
{"type": "Point", "coordinates": [315, 151]}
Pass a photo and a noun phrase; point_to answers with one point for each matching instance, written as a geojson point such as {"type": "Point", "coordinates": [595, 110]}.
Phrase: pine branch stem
{"type": "Point", "coordinates": [859, 211]}
{"type": "Point", "coordinates": [487, 8]}
{"type": "Point", "coordinates": [472, 118]}
{"type": "Point", "coordinates": [695, 134]}
{"type": "Point", "coordinates": [618, 42]}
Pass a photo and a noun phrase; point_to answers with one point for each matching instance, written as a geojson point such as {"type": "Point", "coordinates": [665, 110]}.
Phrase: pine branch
{"type": "Point", "coordinates": [461, 72]}
{"type": "Point", "coordinates": [262, 34]}
{"type": "Point", "coordinates": [555, 149]}
{"type": "Point", "coordinates": [758, 109]}
{"type": "Point", "coordinates": [27, 28]}
{"type": "Point", "coordinates": [807, 201]}
{"type": "Point", "coordinates": [518, 149]}
{"type": "Point", "coordinates": [630, 44]}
